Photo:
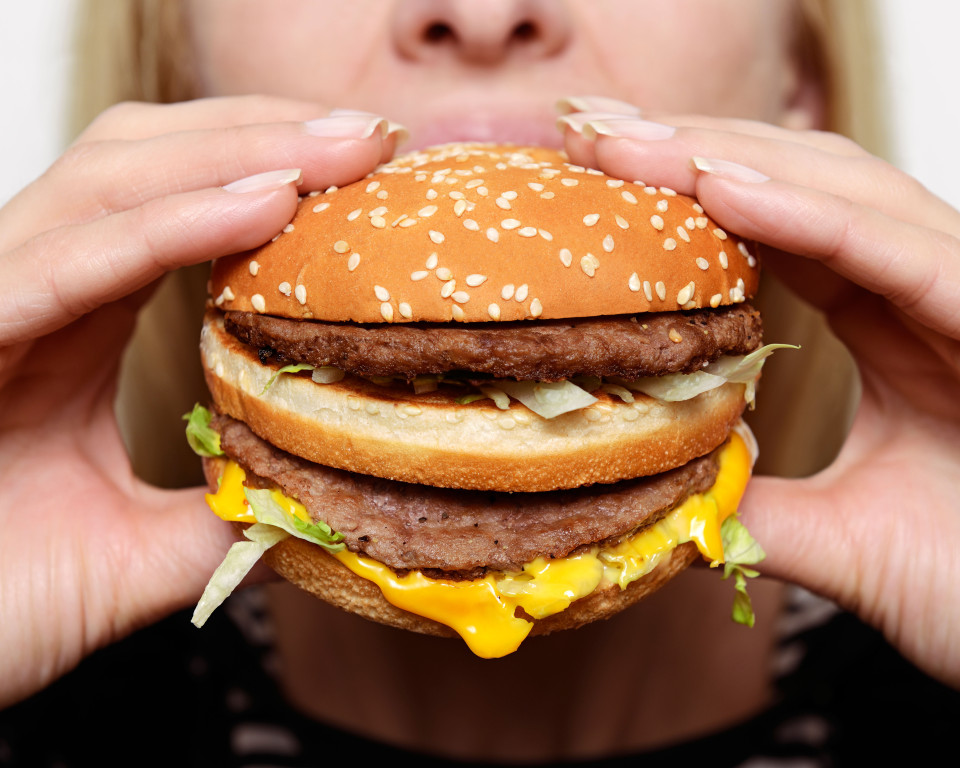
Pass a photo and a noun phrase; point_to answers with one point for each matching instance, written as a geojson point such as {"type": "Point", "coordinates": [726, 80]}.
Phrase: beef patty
{"type": "Point", "coordinates": [624, 346]}
{"type": "Point", "coordinates": [456, 532]}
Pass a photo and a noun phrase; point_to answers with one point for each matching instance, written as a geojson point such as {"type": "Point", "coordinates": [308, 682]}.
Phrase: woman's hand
{"type": "Point", "coordinates": [87, 551]}
{"type": "Point", "coordinates": [879, 530]}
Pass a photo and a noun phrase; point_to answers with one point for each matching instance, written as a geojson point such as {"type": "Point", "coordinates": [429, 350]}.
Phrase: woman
{"type": "Point", "coordinates": [146, 189]}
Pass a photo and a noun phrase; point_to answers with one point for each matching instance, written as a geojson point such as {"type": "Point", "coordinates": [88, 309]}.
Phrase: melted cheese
{"type": "Point", "coordinates": [483, 612]}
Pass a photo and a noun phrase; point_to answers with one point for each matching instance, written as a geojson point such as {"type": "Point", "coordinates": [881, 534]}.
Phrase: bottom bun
{"type": "Point", "coordinates": [313, 570]}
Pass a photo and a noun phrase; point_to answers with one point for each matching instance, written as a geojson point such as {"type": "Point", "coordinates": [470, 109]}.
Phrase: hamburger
{"type": "Point", "coordinates": [484, 392]}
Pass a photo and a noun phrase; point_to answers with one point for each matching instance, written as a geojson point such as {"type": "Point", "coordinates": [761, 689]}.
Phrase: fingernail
{"type": "Point", "coordinates": [347, 126]}
{"type": "Point", "coordinates": [576, 120]}
{"type": "Point", "coordinates": [628, 128]}
{"type": "Point", "coordinates": [727, 170]}
{"type": "Point", "coordinates": [262, 182]}
{"type": "Point", "coordinates": [595, 104]}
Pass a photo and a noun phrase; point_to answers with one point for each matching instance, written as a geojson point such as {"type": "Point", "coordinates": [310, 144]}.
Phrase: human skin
{"type": "Point", "coordinates": [141, 192]}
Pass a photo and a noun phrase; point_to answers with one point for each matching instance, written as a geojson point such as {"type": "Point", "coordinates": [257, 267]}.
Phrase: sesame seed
{"type": "Point", "coordinates": [227, 293]}
{"type": "Point", "coordinates": [494, 311]}
{"type": "Point", "coordinates": [720, 234]}
{"type": "Point", "coordinates": [667, 191]}
{"type": "Point", "coordinates": [575, 168]}
{"type": "Point", "coordinates": [511, 195]}
{"type": "Point", "coordinates": [288, 229]}
{"type": "Point", "coordinates": [254, 268]}
{"type": "Point", "coordinates": [436, 237]}
{"type": "Point", "coordinates": [629, 196]}
{"type": "Point", "coordinates": [458, 313]}
{"type": "Point", "coordinates": [608, 243]}
{"type": "Point", "coordinates": [545, 235]}
{"type": "Point", "coordinates": [716, 299]}
{"type": "Point", "coordinates": [461, 297]}
{"type": "Point", "coordinates": [697, 207]}
{"type": "Point", "coordinates": [650, 190]}
{"type": "Point", "coordinates": [536, 186]}
{"type": "Point", "coordinates": [701, 222]}
{"type": "Point", "coordinates": [382, 194]}
{"type": "Point", "coordinates": [657, 222]}
{"type": "Point", "coordinates": [473, 183]}
{"type": "Point", "coordinates": [509, 224]}
{"type": "Point", "coordinates": [373, 186]}
{"type": "Point", "coordinates": [378, 221]}
{"type": "Point", "coordinates": [314, 193]}
{"type": "Point", "coordinates": [690, 223]}
{"type": "Point", "coordinates": [722, 257]}
{"type": "Point", "coordinates": [506, 293]}
{"type": "Point", "coordinates": [662, 206]}
{"type": "Point", "coordinates": [683, 234]}
{"type": "Point", "coordinates": [285, 288]}
{"type": "Point", "coordinates": [527, 232]}
{"type": "Point", "coordinates": [399, 219]}
{"type": "Point", "coordinates": [591, 218]}
{"type": "Point", "coordinates": [669, 244]}
{"type": "Point", "coordinates": [301, 293]}
{"type": "Point", "coordinates": [622, 222]}
{"type": "Point", "coordinates": [258, 302]}
{"type": "Point", "coordinates": [634, 282]}
{"type": "Point", "coordinates": [743, 249]}
{"type": "Point", "coordinates": [703, 263]}
{"type": "Point", "coordinates": [444, 273]}
{"type": "Point", "coordinates": [614, 183]}
{"type": "Point", "coordinates": [566, 257]}
{"type": "Point", "coordinates": [321, 207]}
{"type": "Point", "coordinates": [502, 202]}
{"type": "Point", "coordinates": [476, 279]}
{"type": "Point", "coordinates": [446, 291]}
{"type": "Point", "coordinates": [386, 312]}
{"type": "Point", "coordinates": [379, 211]}
{"type": "Point", "coordinates": [686, 293]}
{"type": "Point", "coordinates": [420, 274]}
{"type": "Point", "coordinates": [341, 246]}
{"type": "Point", "coordinates": [661, 290]}
{"type": "Point", "coordinates": [471, 225]}
{"type": "Point", "coordinates": [647, 291]}
{"type": "Point", "coordinates": [427, 211]}
{"type": "Point", "coordinates": [381, 293]}
{"type": "Point", "coordinates": [459, 207]}
{"type": "Point", "coordinates": [675, 337]}
{"type": "Point", "coordinates": [536, 308]}
{"type": "Point", "coordinates": [432, 261]}
{"type": "Point", "coordinates": [457, 195]}
{"type": "Point", "coordinates": [568, 182]}
{"type": "Point", "coordinates": [589, 264]}
{"type": "Point", "coordinates": [353, 262]}
{"type": "Point", "coordinates": [431, 194]}
{"type": "Point", "coordinates": [521, 294]}
{"type": "Point", "coordinates": [493, 235]}
{"type": "Point", "coordinates": [408, 223]}
{"type": "Point", "coordinates": [547, 195]}
{"type": "Point", "coordinates": [331, 189]}
{"type": "Point", "coordinates": [483, 191]}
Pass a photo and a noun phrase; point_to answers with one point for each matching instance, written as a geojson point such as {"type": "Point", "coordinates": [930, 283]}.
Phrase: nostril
{"type": "Point", "coordinates": [525, 32]}
{"type": "Point", "coordinates": [438, 32]}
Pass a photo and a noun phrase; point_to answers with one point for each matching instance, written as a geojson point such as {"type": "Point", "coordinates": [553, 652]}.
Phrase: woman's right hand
{"type": "Point", "coordinates": [88, 552]}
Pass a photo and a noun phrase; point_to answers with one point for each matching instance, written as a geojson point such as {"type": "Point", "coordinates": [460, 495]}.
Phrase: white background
{"type": "Point", "coordinates": [922, 61]}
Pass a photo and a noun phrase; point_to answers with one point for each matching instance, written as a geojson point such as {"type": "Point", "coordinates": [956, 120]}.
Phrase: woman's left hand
{"type": "Point", "coordinates": [879, 530]}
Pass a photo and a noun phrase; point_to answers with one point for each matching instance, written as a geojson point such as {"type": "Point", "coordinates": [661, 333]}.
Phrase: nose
{"type": "Point", "coordinates": [480, 32]}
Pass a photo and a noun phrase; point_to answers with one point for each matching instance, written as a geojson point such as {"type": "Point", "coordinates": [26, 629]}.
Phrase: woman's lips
{"type": "Point", "coordinates": [480, 127]}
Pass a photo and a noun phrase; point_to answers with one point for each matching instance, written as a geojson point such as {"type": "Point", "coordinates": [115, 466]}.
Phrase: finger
{"type": "Point", "coordinates": [659, 154]}
{"type": "Point", "coordinates": [96, 179]}
{"type": "Point", "coordinates": [915, 268]}
{"type": "Point", "coordinates": [572, 104]}
{"type": "Point", "coordinates": [67, 272]}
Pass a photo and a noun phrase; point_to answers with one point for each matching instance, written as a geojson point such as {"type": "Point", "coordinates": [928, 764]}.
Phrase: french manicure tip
{"type": "Point", "coordinates": [728, 170]}
{"type": "Point", "coordinates": [262, 182]}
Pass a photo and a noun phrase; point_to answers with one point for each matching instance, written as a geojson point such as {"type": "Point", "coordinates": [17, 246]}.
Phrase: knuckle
{"type": "Point", "coordinates": [115, 121]}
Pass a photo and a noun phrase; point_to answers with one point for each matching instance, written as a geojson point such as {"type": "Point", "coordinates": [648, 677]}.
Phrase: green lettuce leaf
{"type": "Point", "coordinates": [203, 439]}
{"type": "Point", "coordinates": [548, 399]}
{"type": "Point", "coordinates": [740, 549]}
{"type": "Point", "coordinates": [292, 368]}
{"type": "Point", "coordinates": [266, 510]}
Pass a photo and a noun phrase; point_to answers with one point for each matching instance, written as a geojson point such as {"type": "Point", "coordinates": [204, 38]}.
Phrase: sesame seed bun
{"type": "Point", "coordinates": [478, 233]}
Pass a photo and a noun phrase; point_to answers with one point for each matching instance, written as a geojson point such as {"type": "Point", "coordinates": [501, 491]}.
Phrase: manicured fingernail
{"type": "Point", "coordinates": [262, 182]}
{"type": "Point", "coordinates": [347, 126]}
{"type": "Point", "coordinates": [576, 120]}
{"type": "Point", "coordinates": [595, 104]}
{"type": "Point", "coordinates": [628, 128]}
{"type": "Point", "coordinates": [727, 170]}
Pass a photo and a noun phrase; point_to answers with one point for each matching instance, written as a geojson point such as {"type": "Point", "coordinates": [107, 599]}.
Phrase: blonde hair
{"type": "Point", "coordinates": [141, 50]}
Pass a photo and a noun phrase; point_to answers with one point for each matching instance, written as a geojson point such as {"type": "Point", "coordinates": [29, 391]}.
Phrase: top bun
{"type": "Point", "coordinates": [478, 233]}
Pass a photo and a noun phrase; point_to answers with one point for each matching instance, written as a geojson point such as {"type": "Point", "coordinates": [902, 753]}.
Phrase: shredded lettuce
{"type": "Point", "coordinates": [743, 369]}
{"type": "Point", "coordinates": [266, 510]}
{"type": "Point", "coordinates": [740, 549]}
{"type": "Point", "coordinates": [203, 439]}
{"type": "Point", "coordinates": [293, 368]}
{"type": "Point", "coordinates": [548, 399]}
{"type": "Point", "coordinates": [240, 558]}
